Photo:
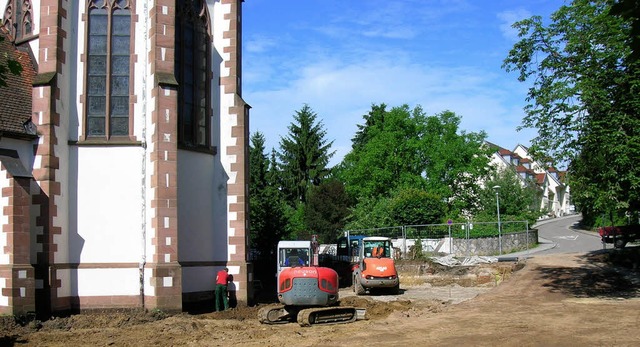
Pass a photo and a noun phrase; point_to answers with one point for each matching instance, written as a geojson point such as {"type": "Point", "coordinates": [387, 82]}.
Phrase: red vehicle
{"type": "Point", "coordinates": [619, 236]}
{"type": "Point", "coordinates": [308, 293]}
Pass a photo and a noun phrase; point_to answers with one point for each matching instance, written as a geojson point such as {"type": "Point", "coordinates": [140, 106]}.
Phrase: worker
{"type": "Point", "coordinates": [222, 281]}
{"type": "Point", "coordinates": [293, 259]}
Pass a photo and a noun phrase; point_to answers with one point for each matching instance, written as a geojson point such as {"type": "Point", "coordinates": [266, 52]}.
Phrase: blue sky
{"type": "Point", "coordinates": [342, 56]}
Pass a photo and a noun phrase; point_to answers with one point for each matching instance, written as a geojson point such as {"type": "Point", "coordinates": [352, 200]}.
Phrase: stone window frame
{"type": "Point", "coordinates": [17, 20]}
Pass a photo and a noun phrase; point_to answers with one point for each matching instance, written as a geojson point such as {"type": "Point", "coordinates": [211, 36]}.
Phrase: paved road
{"type": "Point", "coordinates": [562, 235]}
{"type": "Point", "coordinates": [567, 236]}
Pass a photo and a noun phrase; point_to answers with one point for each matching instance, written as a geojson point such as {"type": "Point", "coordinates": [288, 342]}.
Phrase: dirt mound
{"type": "Point", "coordinates": [102, 319]}
{"type": "Point", "coordinates": [11, 328]}
{"type": "Point", "coordinates": [376, 309]}
{"type": "Point", "coordinates": [239, 313]}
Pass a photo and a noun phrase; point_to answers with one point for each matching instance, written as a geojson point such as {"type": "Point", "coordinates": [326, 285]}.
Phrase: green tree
{"type": "Point", "coordinates": [584, 100]}
{"type": "Point", "coordinates": [519, 200]}
{"type": "Point", "coordinates": [454, 162]}
{"type": "Point", "coordinates": [372, 121]}
{"type": "Point", "coordinates": [258, 164]}
{"type": "Point", "coordinates": [327, 209]}
{"type": "Point", "coordinates": [370, 213]}
{"type": "Point", "coordinates": [630, 10]}
{"type": "Point", "coordinates": [416, 207]}
{"type": "Point", "coordinates": [407, 206]}
{"type": "Point", "coordinates": [266, 204]}
{"type": "Point", "coordinates": [304, 155]}
{"type": "Point", "coordinates": [296, 225]}
{"type": "Point", "coordinates": [385, 153]}
{"type": "Point", "coordinates": [273, 176]}
{"type": "Point", "coordinates": [404, 149]}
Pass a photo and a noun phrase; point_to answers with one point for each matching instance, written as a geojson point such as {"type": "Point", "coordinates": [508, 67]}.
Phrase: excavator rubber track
{"type": "Point", "coordinates": [326, 315]}
{"type": "Point", "coordinates": [274, 314]}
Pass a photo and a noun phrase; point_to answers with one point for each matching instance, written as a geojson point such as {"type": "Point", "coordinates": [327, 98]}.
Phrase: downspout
{"type": "Point", "coordinates": [143, 192]}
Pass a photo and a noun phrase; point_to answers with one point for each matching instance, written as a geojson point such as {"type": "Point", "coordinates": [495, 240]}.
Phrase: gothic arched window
{"type": "Point", "coordinates": [18, 19]}
{"type": "Point", "coordinates": [192, 70]}
{"type": "Point", "coordinates": [108, 68]}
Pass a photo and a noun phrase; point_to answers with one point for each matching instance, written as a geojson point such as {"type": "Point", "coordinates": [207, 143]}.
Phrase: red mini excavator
{"type": "Point", "coordinates": [307, 293]}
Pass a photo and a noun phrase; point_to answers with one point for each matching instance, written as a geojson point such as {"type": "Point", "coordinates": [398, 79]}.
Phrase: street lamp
{"type": "Point", "coordinates": [497, 189]}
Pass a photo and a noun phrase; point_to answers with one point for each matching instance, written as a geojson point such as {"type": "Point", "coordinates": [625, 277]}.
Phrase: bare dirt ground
{"type": "Point", "coordinates": [557, 300]}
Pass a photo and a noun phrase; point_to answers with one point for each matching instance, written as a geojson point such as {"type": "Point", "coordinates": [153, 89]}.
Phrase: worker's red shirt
{"type": "Point", "coordinates": [222, 278]}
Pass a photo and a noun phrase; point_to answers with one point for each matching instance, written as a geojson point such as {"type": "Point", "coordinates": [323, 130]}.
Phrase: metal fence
{"type": "Point", "coordinates": [459, 239]}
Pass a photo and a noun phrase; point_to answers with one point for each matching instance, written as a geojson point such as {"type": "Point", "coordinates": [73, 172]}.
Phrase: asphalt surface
{"type": "Point", "coordinates": [561, 235]}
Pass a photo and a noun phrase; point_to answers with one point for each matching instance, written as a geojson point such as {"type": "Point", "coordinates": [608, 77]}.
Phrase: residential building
{"type": "Point", "coordinates": [124, 155]}
{"type": "Point", "coordinates": [554, 192]}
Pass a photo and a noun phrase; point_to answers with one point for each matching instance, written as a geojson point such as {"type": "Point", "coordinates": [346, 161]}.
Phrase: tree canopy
{"type": "Point", "coordinates": [386, 152]}
{"type": "Point", "coordinates": [402, 154]}
{"type": "Point", "coordinates": [518, 199]}
{"type": "Point", "coordinates": [630, 10]}
{"type": "Point", "coordinates": [455, 161]}
{"type": "Point", "coordinates": [304, 155]}
{"type": "Point", "coordinates": [584, 100]}
{"type": "Point", "coordinates": [327, 209]}
{"type": "Point", "coordinates": [266, 203]}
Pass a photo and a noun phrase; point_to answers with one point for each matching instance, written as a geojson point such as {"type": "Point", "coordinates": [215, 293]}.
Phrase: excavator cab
{"type": "Point", "coordinates": [293, 254]}
{"type": "Point", "coordinates": [293, 257]}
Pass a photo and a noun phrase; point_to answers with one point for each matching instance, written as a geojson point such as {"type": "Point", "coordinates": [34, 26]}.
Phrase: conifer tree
{"type": "Point", "coordinates": [268, 224]}
{"type": "Point", "coordinates": [304, 155]}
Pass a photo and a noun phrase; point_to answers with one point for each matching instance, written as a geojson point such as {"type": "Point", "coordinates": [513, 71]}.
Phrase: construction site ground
{"type": "Point", "coordinates": [556, 300]}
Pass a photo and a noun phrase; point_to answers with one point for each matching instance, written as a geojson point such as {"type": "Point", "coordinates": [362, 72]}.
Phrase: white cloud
{"type": "Point", "coordinates": [508, 18]}
{"type": "Point", "coordinates": [259, 44]}
{"type": "Point", "coordinates": [441, 54]}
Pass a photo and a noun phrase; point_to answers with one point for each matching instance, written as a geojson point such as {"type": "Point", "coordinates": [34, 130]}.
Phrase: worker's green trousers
{"type": "Point", "coordinates": [222, 303]}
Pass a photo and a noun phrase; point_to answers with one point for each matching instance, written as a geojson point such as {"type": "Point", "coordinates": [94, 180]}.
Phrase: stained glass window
{"type": "Point", "coordinates": [192, 72]}
{"type": "Point", "coordinates": [108, 68]}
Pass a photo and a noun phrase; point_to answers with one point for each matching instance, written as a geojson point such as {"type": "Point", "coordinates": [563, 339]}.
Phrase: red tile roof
{"type": "Point", "coordinates": [15, 98]}
{"type": "Point", "coordinates": [521, 168]}
{"type": "Point", "coordinates": [562, 176]}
